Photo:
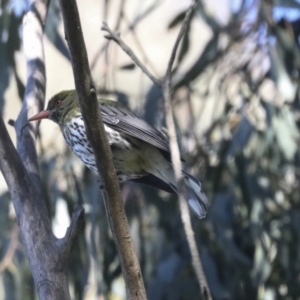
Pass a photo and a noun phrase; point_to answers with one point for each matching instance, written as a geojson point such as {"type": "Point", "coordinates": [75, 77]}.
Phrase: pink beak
{"type": "Point", "coordinates": [44, 114]}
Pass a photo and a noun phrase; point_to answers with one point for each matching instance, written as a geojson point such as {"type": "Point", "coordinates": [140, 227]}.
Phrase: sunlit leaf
{"type": "Point", "coordinates": [286, 132]}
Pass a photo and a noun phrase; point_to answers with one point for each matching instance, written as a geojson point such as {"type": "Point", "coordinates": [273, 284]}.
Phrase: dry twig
{"type": "Point", "coordinates": [116, 37]}
{"type": "Point", "coordinates": [175, 157]}
{"type": "Point", "coordinates": [105, 46]}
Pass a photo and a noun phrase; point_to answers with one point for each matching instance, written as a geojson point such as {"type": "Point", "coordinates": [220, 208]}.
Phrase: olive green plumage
{"type": "Point", "coordinates": [140, 152]}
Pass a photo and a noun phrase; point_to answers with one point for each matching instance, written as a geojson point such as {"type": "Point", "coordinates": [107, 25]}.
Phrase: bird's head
{"type": "Point", "coordinates": [61, 107]}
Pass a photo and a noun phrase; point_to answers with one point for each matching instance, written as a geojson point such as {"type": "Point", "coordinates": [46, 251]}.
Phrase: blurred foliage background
{"type": "Point", "coordinates": [236, 101]}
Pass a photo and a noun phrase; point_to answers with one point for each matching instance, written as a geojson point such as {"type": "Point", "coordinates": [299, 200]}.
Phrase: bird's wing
{"type": "Point", "coordinates": [122, 119]}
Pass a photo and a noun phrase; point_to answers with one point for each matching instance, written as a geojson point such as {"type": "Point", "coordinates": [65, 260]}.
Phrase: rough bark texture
{"type": "Point", "coordinates": [48, 256]}
{"type": "Point", "coordinates": [96, 134]}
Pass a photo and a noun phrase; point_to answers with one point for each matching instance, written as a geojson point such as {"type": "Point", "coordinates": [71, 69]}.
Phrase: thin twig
{"type": "Point", "coordinates": [105, 46]}
{"type": "Point", "coordinates": [140, 47]}
{"type": "Point", "coordinates": [115, 37]}
{"type": "Point", "coordinates": [131, 27]}
{"type": "Point", "coordinates": [175, 157]}
{"type": "Point", "coordinates": [143, 15]}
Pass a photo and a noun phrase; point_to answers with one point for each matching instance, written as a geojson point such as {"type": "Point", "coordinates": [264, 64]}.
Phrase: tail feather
{"type": "Point", "coordinates": [163, 178]}
{"type": "Point", "coordinates": [196, 198]}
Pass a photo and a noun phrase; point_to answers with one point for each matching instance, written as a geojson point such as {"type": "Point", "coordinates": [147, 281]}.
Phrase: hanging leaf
{"type": "Point", "coordinates": [177, 20]}
{"type": "Point", "coordinates": [128, 67]}
{"type": "Point", "coordinates": [184, 45]}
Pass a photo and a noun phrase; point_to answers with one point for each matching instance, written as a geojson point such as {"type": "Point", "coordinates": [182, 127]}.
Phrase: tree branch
{"type": "Point", "coordinates": [69, 238]}
{"type": "Point", "coordinates": [47, 262]}
{"type": "Point", "coordinates": [175, 157]}
{"type": "Point", "coordinates": [96, 134]}
{"type": "Point", "coordinates": [105, 46]}
{"type": "Point", "coordinates": [35, 90]}
{"type": "Point", "coordinates": [35, 226]}
{"type": "Point", "coordinates": [116, 37]}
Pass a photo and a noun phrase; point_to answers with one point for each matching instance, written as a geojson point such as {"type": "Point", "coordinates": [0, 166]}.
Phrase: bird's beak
{"type": "Point", "coordinates": [44, 114]}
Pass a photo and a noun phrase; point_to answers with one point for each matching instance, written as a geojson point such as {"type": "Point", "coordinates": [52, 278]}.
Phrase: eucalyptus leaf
{"type": "Point", "coordinates": [287, 133]}
{"type": "Point", "coordinates": [177, 20]}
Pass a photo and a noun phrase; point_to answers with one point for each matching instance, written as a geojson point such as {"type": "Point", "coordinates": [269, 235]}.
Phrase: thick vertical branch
{"type": "Point", "coordinates": [47, 255]}
{"type": "Point", "coordinates": [96, 134]}
{"type": "Point", "coordinates": [33, 27]}
{"type": "Point", "coordinates": [175, 157]}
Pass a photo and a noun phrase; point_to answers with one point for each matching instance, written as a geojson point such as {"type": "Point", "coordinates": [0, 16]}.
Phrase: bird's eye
{"type": "Point", "coordinates": [57, 103]}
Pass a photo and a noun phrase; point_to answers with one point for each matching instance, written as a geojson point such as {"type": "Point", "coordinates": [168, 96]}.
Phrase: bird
{"type": "Point", "coordinates": [141, 153]}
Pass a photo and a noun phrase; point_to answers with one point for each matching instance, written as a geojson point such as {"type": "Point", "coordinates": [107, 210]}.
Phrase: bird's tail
{"type": "Point", "coordinates": [163, 178]}
{"type": "Point", "coordinates": [197, 200]}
